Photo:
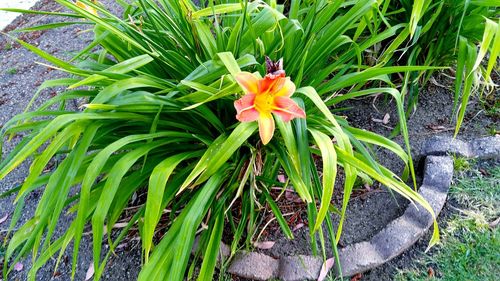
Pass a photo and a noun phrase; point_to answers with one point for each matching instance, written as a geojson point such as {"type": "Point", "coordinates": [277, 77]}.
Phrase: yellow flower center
{"type": "Point", "coordinates": [264, 103]}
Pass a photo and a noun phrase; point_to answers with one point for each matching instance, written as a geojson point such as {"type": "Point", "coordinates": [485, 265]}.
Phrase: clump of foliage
{"type": "Point", "coordinates": [159, 119]}
{"type": "Point", "coordinates": [447, 33]}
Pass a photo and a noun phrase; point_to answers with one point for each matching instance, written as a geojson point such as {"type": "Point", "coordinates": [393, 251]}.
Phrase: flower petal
{"type": "Point", "coordinates": [244, 102]}
{"type": "Point", "coordinates": [287, 109]}
{"type": "Point", "coordinates": [267, 84]}
{"type": "Point", "coordinates": [245, 110]}
{"type": "Point", "coordinates": [248, 115]}
{"type": "Point", "coordinates": [248, 81]}
{"type": "Point", "coordinates": [287, 89]}
{"type": "Point", "coordinates": [266, 128]}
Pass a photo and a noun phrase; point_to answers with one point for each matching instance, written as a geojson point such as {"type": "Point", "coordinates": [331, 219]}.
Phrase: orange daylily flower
{"type": "Point", "coordinates": [270, 94]}
{"type": "Point", "coordinates": [87, 7]}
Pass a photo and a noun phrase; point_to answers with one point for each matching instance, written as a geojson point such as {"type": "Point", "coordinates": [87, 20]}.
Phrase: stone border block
{"type": "Point", "coordinates": [396, 237]}
{"type": "Point", "coordinates": [359, 257]}
{"type": "Point", "coordinates": [299, 268]}
{"type": "Point", "coordinates": [418, 215]}
{"type": "Point", "coordinates": [254, 265]}
{"type": "Point", "coordinates": [439, 146]}
{"type": "Point", "coordinates": [485, 148]}
{"type": "Point", "coordinates": [438, 172]}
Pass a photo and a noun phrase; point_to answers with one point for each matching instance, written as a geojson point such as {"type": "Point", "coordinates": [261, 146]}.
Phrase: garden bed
{"type": "Point", "coordinates": [370, 210]}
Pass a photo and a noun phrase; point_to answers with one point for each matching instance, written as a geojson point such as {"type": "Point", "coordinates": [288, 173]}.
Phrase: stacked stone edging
{"type": "Point", "coordinates": [483, 148]}
{"type": "Point", "coordinates": [403, 232]}
{"type": "Point", "coordinates": [391, 241]}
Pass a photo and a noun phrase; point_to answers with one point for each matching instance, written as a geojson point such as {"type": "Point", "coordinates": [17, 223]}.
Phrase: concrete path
{"type": "Point", "coordinates": [7, 17]}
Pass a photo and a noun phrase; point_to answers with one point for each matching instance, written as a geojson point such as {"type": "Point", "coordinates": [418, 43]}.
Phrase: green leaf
{"type": "Point", "coordinates": [218, 153]}
{"type": "Point", "coordinates": [51, 26]}
{"type": "Point", "coordinates": [157, 184]}
{"type": "Point", "coordinates": [110, 188]}
{"type": "Point", "coordinates": [329, 157]}
{"type": "Point", "coordinates": [231, 64]}
{"type": "Point", "coordinates": [490, 29]}
{"type": "Point", "coordinates": [216, 10]}
{"type": "Point", "coordinates": [169, 259]}
{"type": "Point", "coordinates": [212, 250]}
{"type": "Point", "coordinates": [416, 13]}
{"type": "Point", "coordinates": [278, 215]}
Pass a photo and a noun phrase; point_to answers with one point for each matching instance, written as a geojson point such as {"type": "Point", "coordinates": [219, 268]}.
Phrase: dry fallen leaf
{"type": "Point", "coordinates": [3, 219]}
{"type": "Point", "coordinates": [90, 272]}
{"type": "Point", "coordinates": [484, 172]}
{"type": "Point", "coordinates": [494, 223]}
{"type": "Point", "coordinates": [436, 128]}
{"type": "Point", "coordinates": [327, 265]}
{"type": "Point", "coordinates": [281, 178]}
{"type": "Point", "coordinates": [120, 225]}
{"type": "Point", "coordinates": [298, 226]}
{"type": "Point", "coordinates": [433, 81]}
{"type": "Point", "coordinates": [122, 245]}
{"type": "Point", "coordinates": [18, 266]}
{"type": "Point", "coordinates": [430, 272]}
{"type": "Point", "coordinates": [264, 245]}
{"type": "Point", "coordinates": [357, 277]}
{"type": "Point", "coordinates": [386, 119]}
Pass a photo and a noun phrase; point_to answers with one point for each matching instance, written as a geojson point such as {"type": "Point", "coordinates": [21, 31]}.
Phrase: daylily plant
{"type": "Point", "coordinates": [264, 96]}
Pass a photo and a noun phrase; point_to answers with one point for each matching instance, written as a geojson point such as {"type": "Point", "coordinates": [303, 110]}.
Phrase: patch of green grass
{"type": "Point", "coordinates": [7, 46]}
{"type": "Point", "coordinates": [479, 193]}
{"type": "Point", "coordinates": [469, 249]}
{"type": "Point", "coordinates": [493, 131]}
{"type": "Point", "coordinates": [11, 70]}
{"type": "Point", "coordinates": [461, 164]}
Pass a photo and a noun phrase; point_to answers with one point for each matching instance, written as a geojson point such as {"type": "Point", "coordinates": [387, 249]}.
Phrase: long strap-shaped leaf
{"type": "Point", "coordinates": [329, 157]}
{"type": "Point", "coordinates": [343, 142]}
{"type": "Point", "coordinates": [110, 188]}
{"type": "Point", "coordinates": [41, 161]}
{"type": "Point", "coordinates": [218, 153]}
{"type": "Point", "coordinates": [157, 181]}
{"type": "Point", "coordinates": [95, 169]}
{"type": "Point", "coordinates": [170, 256]}
{"type": "Point", "coordinates": [53, 127]}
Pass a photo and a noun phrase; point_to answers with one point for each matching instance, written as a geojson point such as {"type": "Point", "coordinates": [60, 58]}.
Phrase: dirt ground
{"type": "Point", "coordinates": [368, 212]}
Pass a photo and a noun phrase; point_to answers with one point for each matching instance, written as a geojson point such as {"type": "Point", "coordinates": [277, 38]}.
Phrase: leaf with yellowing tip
{"type": "Point", "coordinates": [490, 29]}
{"type": "Point", "coordinates": [217, 10]}
{"type": "Point", "coordinates": [398, 186]}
